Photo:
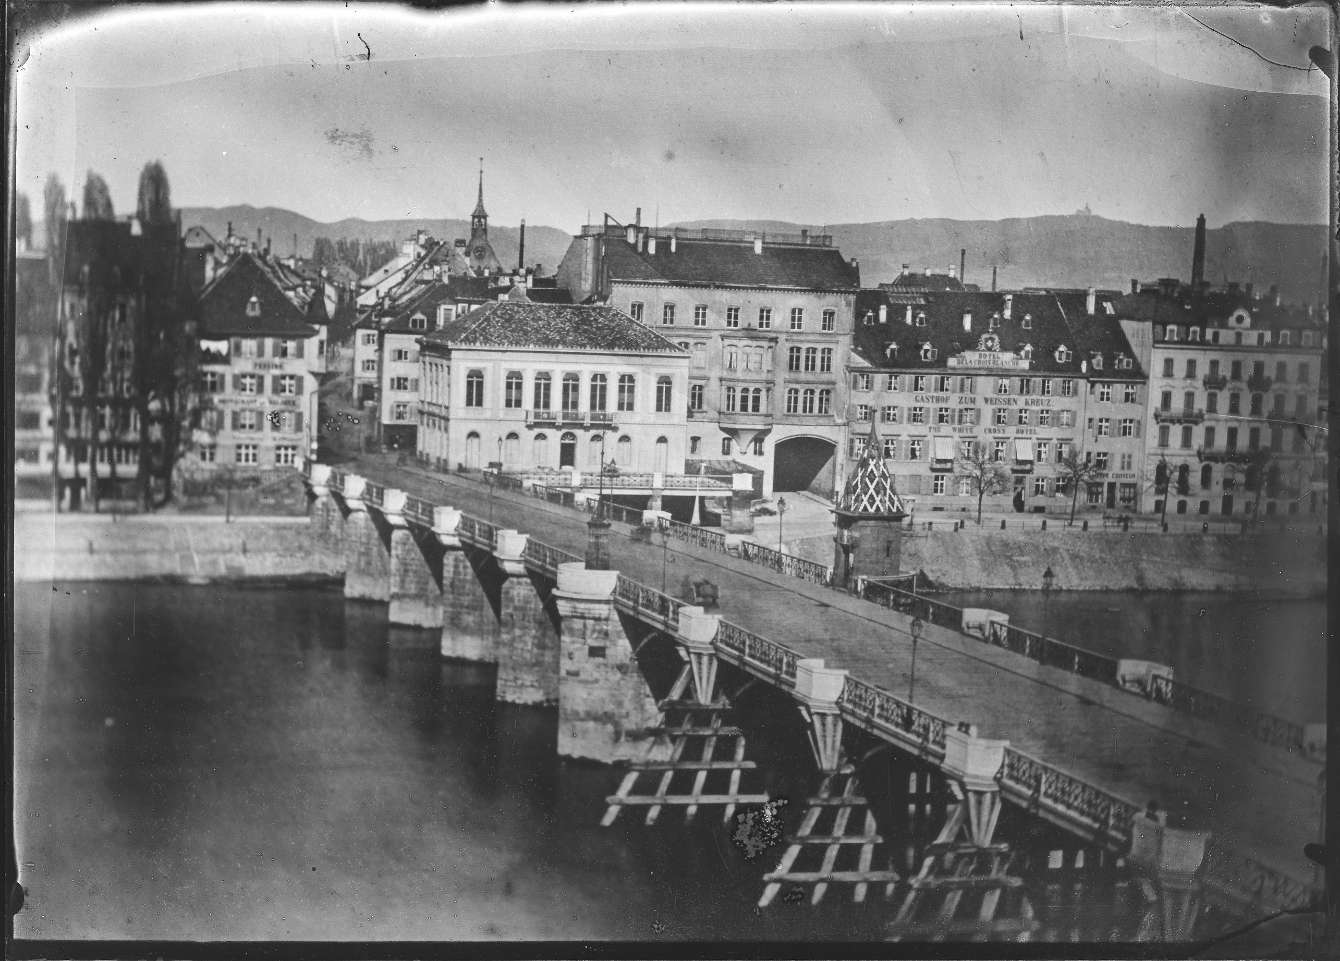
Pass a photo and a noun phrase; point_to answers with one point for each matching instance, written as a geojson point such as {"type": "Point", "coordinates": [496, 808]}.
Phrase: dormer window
{"type": "Point", "coordinates": [1307, 338]}
{"type": "Point", "coordinates": [1172, 334]}
{"type": "Point", "coordinates": [869, 319]}
{"type": "Point", "coordinates": [928, 352]}
{"type": "Point", "coordinates": [254, 306]}
{"type": "Point", "coordinates": [891, 351]}
{"type": "Point", "coordinates": [994, 322]}
{"type": "Point", "coordinates": [1063, 354]}
{"type": "Point", "coordinates": [1193, 334]}
{"type": "Point", "coordinates": [1124, 362]}
{"type": "Point", "coordinates": [1284, 338]}
{"type": "Point", "coordinates": [921, 318]}
{"type": "Point", "coordinates": [1028, 322]}
{"type": "Point", "coordinates": [1026, 352]}
{"type": "Point", "coordinates": [1096, 361]}
{"type": "Point", "coordinates": [418, 322]}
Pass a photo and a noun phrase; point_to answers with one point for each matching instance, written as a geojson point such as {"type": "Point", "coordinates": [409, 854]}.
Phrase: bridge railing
{"type": "Point", "coordinates": [336, 479]}
{"type": "Point", "coordinates": [788, 564]}
{"type": "Point", "coordinates": [374, 495]}
{"type": "Point", "coordinates": [1176, 695]}
{"type": "Point", "coordinates": [545, 557]}
{"type": "Point", "coordinates": [876, 709]}
{"type": "Point", "coordinates": [640, 600]}
{"type": "Point", "coordinates": [477, 532]}
{"type": "Point", "coordinates": [418, 511]}
{"type": "Point", "coordinates": [1246, 882]}
{"type": "Point", "coordinates": [697, 536]}
{"type": "Point", "coordinates": [1045, 786]}
{"type": "Point", "coordinates": [1212, 707]}
{"type": "Point", "coordinates": [747, 648]}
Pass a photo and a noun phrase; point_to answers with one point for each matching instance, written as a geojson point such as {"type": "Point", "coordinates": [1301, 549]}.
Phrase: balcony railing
{"type": "Point", "coordinates": [541, 418]}
{"type": "Point", "coordinates": [737, 418]}
{"type": "Point", "coordinates": [601, 418]}
{"type": "Point", "coordinates": [1185, 415]}
{"type": "Point", "coordinates": [1215, 381]}
{"type": "Point", "coordinates": [1221, 455]}
{"type": "Point", "coordinates": [1259, 383]}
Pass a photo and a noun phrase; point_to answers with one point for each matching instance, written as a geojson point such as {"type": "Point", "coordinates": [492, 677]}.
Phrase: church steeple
{"type": "Point", "coordinates": [479, 253]}
{"type": "Point", "coordinates": [479, 220]}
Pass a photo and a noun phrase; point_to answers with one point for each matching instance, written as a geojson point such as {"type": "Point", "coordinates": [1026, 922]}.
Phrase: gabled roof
{"type": "Point", "coordinates": [551, 326]}
{"type": "Point", "coordinates": [1054, 320]}
{"type": "Point", "coordinates": [720, 262]}
{"type": "Point", "coordinates": [198, 236]}
{"type": "Point", "coordinates": [1212, 309]}
{"type": "Point", "coordinates": [223, 303]}
{"type": "Point", "coordinates": [923, 282]}
{"type": "Point", "coordinates": [869, 489]}
{"type": "Point", "coordinates": [424, 299]}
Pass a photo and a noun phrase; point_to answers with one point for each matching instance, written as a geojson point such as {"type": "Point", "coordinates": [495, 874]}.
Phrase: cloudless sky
{"type": "Point", "coordinates": [814, 114]}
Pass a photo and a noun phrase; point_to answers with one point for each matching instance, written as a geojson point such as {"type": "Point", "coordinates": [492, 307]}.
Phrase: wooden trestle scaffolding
{"type": "Point", "coordinates": [689, 724]}
{"type": "Point", "coordinates": [964, 892]}
{"type": "Point", "coordinates": [824, 838]}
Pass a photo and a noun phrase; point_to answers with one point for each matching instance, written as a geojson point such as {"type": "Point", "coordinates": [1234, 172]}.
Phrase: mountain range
{"type": "Point", "coordinates": [1073, 250]}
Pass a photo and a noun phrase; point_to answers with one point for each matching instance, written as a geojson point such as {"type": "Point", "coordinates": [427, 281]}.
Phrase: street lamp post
{"type": "Point", "coordinates": [917, 627]}
{"type": "Point", "coordinates": [1048, 582]}
{"type": "Point", "coordinates": [781, 512]}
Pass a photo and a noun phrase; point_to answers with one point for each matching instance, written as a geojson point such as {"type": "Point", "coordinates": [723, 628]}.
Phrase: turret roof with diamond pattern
{"type": "Point", "coordinates": [869, 490]}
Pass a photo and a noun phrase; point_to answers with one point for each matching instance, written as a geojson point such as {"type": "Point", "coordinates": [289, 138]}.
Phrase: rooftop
{"type": "Point", "coordinates": [227, 309]}
{"type": "Point", "coordinates": [764, 263]}
{"type": "Point", "coordinates": [553, 327]}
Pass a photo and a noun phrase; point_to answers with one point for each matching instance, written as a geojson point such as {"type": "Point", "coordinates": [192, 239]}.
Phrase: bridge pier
{"type": "Point", "coordinates": [528, 639]}
{"type": "Point", "coordinates": [694, 635]}
{"type": "Point", "coordinates": [1166, 859]}
{"type": "Point", "coordinates": [469, 618]}
{"type": "Point", "coordinates": [972, 762]}
{"type": "Point", "coordinates": [416, 564]}
{"type": "Point", "coordinates": [367, 547]}
{"type": "Point", "coordinates": [818, 689]}
{"type": "Point", "coordinates": [605, 708]}
{"type": "Point", "coordinates": [324, 512]}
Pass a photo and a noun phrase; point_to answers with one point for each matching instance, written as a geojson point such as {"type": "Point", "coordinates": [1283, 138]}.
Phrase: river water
{"type": "Point", "coordinates": [229, 762]}
{"type": "Point", "coordinates": [1259, 651]}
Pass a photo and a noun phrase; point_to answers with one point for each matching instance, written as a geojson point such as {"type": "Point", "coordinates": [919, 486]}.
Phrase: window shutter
{"type": "Point", "coordinates": [414, 384]}
{"type": "Point", "coordinates": [237, 346]}
{"type": "Point", "coordinates": [260, 347]}
{"type": "Point", "coordinates": [1137, 427]}
{"type": "Point", "coordinates": [237, 383]}
{"type": "Point", "coordinates": [298, 348]}
{"type": "Point", "coordinates": [297, 421]}
{"type": "Point", "coordinates": [237, 420]}
{"type": "Point", "coordinates": [277, 384]}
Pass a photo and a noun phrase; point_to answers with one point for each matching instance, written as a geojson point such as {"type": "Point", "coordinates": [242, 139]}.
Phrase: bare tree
{"type": "Point", "coordinates": [97, 199]}
{"type": "Point", "coordinates": [1074, 470]}
{"type": "Point", "coordinates": [984, 473]}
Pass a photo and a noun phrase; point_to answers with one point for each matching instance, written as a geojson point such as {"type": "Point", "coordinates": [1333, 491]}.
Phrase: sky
{"type": "Point", "coordinates": [811, 114]}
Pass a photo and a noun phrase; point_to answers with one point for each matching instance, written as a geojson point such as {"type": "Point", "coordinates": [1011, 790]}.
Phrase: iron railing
{"type": "Point", "coordinates": [418, 511]}
{"type": "Point", "coordinates": [477, 532]}
{"type": "Point", "coordinates": [544, 557]}
{"type": "Point", "coordinates": [752, 650]}
{"type": "Point", "coordinates": [1044, 786]}
{"type": "Point", "coordinates": [373, 494]}
{"type": "Point", "coordinates": [640, 600]}
{"type": "Point", "coordinates": [787, 564]}
{"type": "Point", "coordinates": [876, 710]}
{"type": "Point", "coordinates": [1261, 725]}
{"type": "Point", "coordinates": [1251, 884]}
{"type": "Point", "coordinates": [697, 536]}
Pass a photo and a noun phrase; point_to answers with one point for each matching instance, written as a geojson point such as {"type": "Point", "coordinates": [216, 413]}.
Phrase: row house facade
{"type": "Point", "coordinates": [1236, 420]}
{"type": "Point", "coordinates": [34, 329]}
{"type": "Point", "coordinates": [766, 323]}
{"type": "Point", "coordinates": [1026, 378]}
{"type": "Point", "coordinates": [262, 352]}
{"type": "Point", "coordinates": [539, 387]}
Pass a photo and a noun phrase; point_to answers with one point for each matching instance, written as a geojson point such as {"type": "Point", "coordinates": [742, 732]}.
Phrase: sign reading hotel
{"type": "Point", "coordinates": [988, 355]}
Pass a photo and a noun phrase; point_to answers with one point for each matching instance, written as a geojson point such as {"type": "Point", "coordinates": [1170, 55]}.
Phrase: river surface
{"type": "Point", "coordinates": [230, 762]}
{"type": "Point", "coordinates": [1264, 652]}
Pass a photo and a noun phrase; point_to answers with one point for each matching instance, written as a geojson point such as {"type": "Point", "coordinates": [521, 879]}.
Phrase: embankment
{"type": "Point", "coordinates": [81, 547]}
{"type": "Point", "coordinates": [1277, 563]}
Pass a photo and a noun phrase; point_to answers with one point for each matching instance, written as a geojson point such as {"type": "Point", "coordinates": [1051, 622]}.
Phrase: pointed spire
{"type": "Point", "coordinates": [479, 207]}
{"type": "Point", "coordinates": [870, 488]}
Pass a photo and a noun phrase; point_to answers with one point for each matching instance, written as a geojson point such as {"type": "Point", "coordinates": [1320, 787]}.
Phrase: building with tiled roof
{"type": "Point", "coordinates": [262, 351]}
{"type": "Point", "coordinates": [1031, 376]}
{"type": "Point", "coordinates": [740, 304]}
{"type": "Point", "coordinates": [551, 386]}
{"type": "Point", "coordinates": [1237, 419]}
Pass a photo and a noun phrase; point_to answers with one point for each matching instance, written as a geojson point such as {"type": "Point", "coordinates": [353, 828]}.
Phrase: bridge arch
{"type": "Point", "coordinates": [804, 462]}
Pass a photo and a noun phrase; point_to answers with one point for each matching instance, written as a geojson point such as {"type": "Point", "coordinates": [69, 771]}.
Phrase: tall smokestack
{"type": "Point", "coordinates": [993, 278]}
{"type": "Point", "coordinates": [1198, 256]}
{"type": "Point", "coordinates": [962, 263]}
{"type": "Point", "coordinates": [521, 250]}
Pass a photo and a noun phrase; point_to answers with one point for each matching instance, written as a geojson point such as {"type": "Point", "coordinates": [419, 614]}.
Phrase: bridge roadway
{"type": "Point", "coordinates": [1257, 800]}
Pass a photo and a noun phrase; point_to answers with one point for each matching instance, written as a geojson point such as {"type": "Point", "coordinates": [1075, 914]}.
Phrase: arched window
{"type": "Point", "coordinates": [793, 400]}
{"type": "Point", "coordinates": [811, 359]}
{"type": "Point", "coordinates": [807, 399]}
{"type": "Point", "coordinates": [1206, 477]}
{"type": "Point", "coordinates": [540, 450]}
{"type": "Point", "coordinates": [512, 450]}
{"type": "Point", "coordinates": [474, 389]}
{"type": "Point", "coordinates": [624, 457]}
{"type": "Point", "coordinates": [593, 451]}
{"type": "Point", "coordinates": [572, 393]}
{"type": "Point", "coordinates": [254, 306]}
{"type": "Point", "coordinates": [512, 390]}
{"type": "Point", "coordinates": [664, 395]}
{"type": "Point", "coordinates": [825, 401]}
{"type": "Point", "coordinates": [732, 356]}
{"type": "Point", "coordinates": [599, 383]}
{"type": "Point", "coordinates": [543, 390]}
{"type": "Point", "coordinates": [793, 355]}
{"type": "Point", "coordinates": [662, 456]}
{"type": "Point", "coordinates": [627, 392]}
{"type": "Point", "coordinates": [472, 450]}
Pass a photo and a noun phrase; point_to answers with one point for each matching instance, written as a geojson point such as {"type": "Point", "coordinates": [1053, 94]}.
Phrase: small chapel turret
{"type": "Point", "coordinates": [868, 519]}
{"type": "Point", "coordinates": [479, 252]}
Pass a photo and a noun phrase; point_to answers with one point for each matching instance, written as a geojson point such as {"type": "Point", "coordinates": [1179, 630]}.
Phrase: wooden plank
{"type": "Point", "coordinates": [734, 787]}
{"type": "Point", "coordinates": [700, 779]}
{"type": "Point", "coordinates": [843, 802]}
{"type": "Point", "coordinates": [967, 883]}
{"type": "Point", "coordinates": [654, 811]}
{"type": "Point", "coordinates": [835, 839]}
{"type": "Point", "coordinates": [724, 731]}
{"type": "Point", "coordinates": [679, 799]}
{"type": "Point", "coordinates": [863, 865]}
{"type": "Point", "coordinates": [835, 877]}
{"type": "Point", "coordinates": [830, 856]}
{"type": "Point", "coordinates": [612, 811]}
{"type": "Point", "coordinates": [695, 765]}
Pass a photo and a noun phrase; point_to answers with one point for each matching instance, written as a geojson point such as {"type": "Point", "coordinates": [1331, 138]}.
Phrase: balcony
{"type": "Point", "coordinates": [1259, 384]}
{"type": "Point", "coordinates": [1222, 455]}
{"type": "Point", "coordinates": [601, 419]}
{"type": "Point", "coordinates": [737, 418]}
{"type": "Point", "coordinates": [1215, 381]}
{"type": "Point", "coordinates": [1186, 415]}
{"type": "Point", "coordinates": [541, 418]}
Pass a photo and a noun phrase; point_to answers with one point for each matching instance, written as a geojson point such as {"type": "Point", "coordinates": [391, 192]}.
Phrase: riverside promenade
{"type": "Point", "coordinates": [1260, 804]}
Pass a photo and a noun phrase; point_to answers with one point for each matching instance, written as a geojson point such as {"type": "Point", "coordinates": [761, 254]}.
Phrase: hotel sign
{"type": "Point", "coordinates": [990, 360]}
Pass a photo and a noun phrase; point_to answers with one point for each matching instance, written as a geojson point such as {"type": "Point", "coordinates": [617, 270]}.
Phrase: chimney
{"type": "Point", "coordinates": [926, 271]}
{"type": "Point", "coordinates": [907, 317]}
{"type": "Point", "coordinates": [993, 278]}
{"type": "Point", "coordinates": [967, 321]}
{"type": "Point", "coordinates": [804, 235]}
{"type": "Point", "coordinates": [673, 245]}
{"type": "Point", "coordinates": [1135, 286]}
{"type": "Point", "coordinates": [855, 264]}
{"type": "Point", "coordinates": [951, 272]}
{"type": "Point", "coordinates": [1198, 255]}
{"type": "Point", "coordinates": [651, 244]}
{"type": "Point", "coordinates": [631, 235]}
{"type": "Point", "coordinates": [1091, 301]}
{"type": "Point", "coordinates": [295, 245]}
{"type": "Point", "coordinates": [1009, 306]}
{"type": "Point", "coordinates": [230, 230]}
{"type": "Point", "coordinates": [883, 313]}
{"type": "Point", "coordinates": [638, 221]}
{"type": "Point", "coordinates": [962, 263]}
{"type": "Point", "coordinates": [521, 253]}
{"type": "Point", "coordinates": [1251, 290]}
{"type": "Point", "coordinates": [758, 245]}
{"type": "Point", "coordinates": [641, 239]}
